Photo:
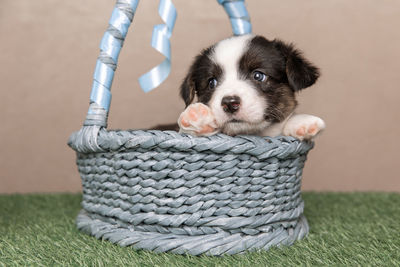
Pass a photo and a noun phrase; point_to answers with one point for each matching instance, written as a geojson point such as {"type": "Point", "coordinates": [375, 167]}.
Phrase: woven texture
{"type": "Point", "coordinates": [165, 191]}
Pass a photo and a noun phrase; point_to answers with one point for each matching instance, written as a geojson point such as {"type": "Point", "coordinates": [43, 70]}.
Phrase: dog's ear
{"type": "Point", "coordinates": [188, 90]}
{"type": "Point", "coordinates": [299, 71]}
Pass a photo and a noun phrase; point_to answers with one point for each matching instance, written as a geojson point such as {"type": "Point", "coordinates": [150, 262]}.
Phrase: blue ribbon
{"type": "Point", "coordinates": [114, 37]}
{"type": "Point", "coordinates": [237, 12]}
{"type": "Point", "coordinates": [160, 42]}
{"type": "Point", "coordinates": [110, 47]}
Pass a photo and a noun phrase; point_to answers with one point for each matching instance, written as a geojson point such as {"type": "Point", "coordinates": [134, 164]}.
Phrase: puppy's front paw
{"type": "Point", "coordinates": [198, 120]}
{"type": "Point", "coordinates": [304, 127]}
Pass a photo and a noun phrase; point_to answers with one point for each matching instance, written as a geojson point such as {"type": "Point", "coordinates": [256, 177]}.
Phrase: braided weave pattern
{"type": "Point", "coordinates": [165, 191]}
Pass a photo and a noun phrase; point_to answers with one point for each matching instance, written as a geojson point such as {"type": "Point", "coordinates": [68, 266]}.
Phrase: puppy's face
{"type": "Point", "coordinates": [248, 82]}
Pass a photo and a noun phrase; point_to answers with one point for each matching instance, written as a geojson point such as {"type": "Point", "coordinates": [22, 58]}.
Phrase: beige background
{"type": "Point", "coordinates": [49, 49]}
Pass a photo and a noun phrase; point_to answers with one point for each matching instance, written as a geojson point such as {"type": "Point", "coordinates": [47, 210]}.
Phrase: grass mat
{"type": "Point", "coordinates": [346, 229]}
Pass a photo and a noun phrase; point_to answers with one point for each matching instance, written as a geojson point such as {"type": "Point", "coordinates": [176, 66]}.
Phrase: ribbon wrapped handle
{"type": "Point", "coordinates": [113, 39]}
{"type": "Point", "coordinates": [238, 15]}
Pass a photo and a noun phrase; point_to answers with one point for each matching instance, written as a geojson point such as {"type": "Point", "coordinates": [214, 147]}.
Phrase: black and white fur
{"type": "Point", "coordinates": [249, 84]}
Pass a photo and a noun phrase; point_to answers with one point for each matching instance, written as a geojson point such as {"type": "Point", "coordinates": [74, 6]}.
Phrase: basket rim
{"type": "Point", "coordinates": [122, 140]}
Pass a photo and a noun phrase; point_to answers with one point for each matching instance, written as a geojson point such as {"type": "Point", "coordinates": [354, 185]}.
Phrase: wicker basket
{"type": "Point", "coordinates": [164, 191]}
{"type": "Point", "coordinates": [170, 192]}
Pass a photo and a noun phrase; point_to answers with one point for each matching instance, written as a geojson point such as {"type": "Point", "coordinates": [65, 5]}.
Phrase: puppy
{"type": "Point", "coordinates": [247, 85]}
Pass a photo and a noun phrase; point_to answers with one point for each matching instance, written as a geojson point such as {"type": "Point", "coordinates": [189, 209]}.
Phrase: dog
{"type": "Point", "coordinates": [247, 85]}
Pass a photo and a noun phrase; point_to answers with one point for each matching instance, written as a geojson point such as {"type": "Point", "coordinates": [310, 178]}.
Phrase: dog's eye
{"type": "Point", "coordinates": [259, 76]}
{"type": "Point", "coordinates": [212, 83]}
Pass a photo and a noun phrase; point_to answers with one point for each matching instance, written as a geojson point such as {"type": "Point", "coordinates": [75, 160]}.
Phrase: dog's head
{"type": "Point", "coordinates": [248, 82]}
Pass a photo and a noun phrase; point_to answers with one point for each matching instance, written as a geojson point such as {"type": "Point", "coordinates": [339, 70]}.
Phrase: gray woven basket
{"type": "Point", "coordinates": [170, 192]}
{"type": "Point", "coordinates": [164, 191]}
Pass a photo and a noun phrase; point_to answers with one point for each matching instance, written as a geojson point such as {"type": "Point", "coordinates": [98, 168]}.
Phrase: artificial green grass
{"type": "Point", "coordinates": [346, 229]}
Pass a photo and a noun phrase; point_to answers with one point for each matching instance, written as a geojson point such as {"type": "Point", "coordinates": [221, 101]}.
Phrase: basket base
{"type": "Point", "coordinates": [210, 244]}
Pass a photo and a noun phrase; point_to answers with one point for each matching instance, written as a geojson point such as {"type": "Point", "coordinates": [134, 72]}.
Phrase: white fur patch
{"type": "Point", "coordinates": [227, 54]}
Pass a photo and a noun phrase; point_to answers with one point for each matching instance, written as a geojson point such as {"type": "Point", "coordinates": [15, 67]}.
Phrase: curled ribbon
{"type": "Point", "coordinates": [237, 12]}
{"type": "Point", "coordinates": [160, 42]}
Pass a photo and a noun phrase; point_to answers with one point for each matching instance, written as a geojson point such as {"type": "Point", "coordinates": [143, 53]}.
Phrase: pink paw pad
{"type": "Point", "coordinates": [197, 119]}
{"type": "Point", "coordinates": [303, 126]}
{"type": "Point", "coordinates": [313, 129]}
{"type": "Point", "coordinates": [301, 131]}
{"type": "Point", "coordinates": [308, 131]}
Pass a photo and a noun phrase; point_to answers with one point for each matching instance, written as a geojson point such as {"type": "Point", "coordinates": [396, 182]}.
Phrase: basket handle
{"type": "Point", "coordinates": [110, 47]}
{"type": "Point", "coordinates": [86, 139]}
{"type": "Point", "coordinates": [111, 44]}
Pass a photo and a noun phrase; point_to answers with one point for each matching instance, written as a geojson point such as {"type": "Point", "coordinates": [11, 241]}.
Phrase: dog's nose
{"type": "Point", "coordinates": [230, 104]}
